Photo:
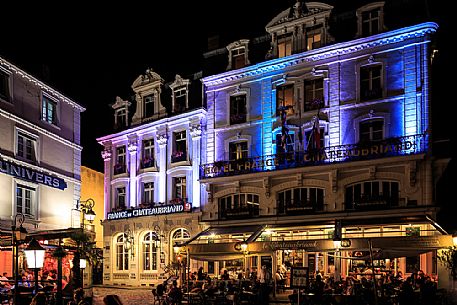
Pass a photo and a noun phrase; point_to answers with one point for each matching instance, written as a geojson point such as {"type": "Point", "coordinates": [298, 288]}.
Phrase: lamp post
{"type": "Point", "coordinates": [86, 207]}
{"type": "Point", "coordinates": [82, 265]}
{"type": "Point", "coordinates": [18, 235]}
{"type": "Point", "coordinates": [35, 258]}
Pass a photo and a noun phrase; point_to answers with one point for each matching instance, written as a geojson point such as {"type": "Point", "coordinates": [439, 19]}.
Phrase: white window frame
{"type": "Point", "coordinates": [35, 144]}
{"type": "Point", "coordinates": [147, 189]}
{"type": "Point", "coordinates": [117, 195]}
{"type": "Point", "coordinates": [151, 255]}
{"type": "Point", "coordinates": [125, 253]}
{"type": "Point", "coordinates": [177, 139]}
{"type": "Point", "coordinates": [179, 92]}
{"type": "Point", "coordinates": [372, 116]}
{"type": "Point", "coordinates": [180, 185]}
{"type": "Point", "coordinates": [149, 149]}
{"type": "Point", "coordinates": [34, 188]}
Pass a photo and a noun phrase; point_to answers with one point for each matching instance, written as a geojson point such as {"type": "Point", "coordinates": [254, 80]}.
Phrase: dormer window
{"type": "Point", "coordinates": [238, 54]}
{"type": "Point", "coordinates": [370, 19]}
{"type": "Point", "coordinates": [121, 118]}
{"type": "Point", "coordinates": [285, 45]}
{"type": "Point", "coordinates": [313, 38]}
{"type": "Point", "coordinates": [149, 105]}
{"type": "Point", "coordinates": [180, 95]}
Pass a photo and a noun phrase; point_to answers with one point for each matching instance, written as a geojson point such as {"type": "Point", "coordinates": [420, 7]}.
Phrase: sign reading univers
{"type": "Point", "coordinates": [25, 173]}
{"type": "Point", "coordinates": [156, 210]}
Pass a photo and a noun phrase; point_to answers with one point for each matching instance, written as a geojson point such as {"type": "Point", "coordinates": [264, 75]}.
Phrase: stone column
{"type": "Point", "coordinates": [162, 140]}
{"type": "Point", "coordinates": [106, 155]}
{"type": "Point", "coordinates": [133, 153]}
{"type": "Point", "coordinates": [196, 133]}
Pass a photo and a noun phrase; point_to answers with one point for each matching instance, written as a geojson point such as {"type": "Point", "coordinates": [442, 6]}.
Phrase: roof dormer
{"type": "Point", "coordinates": [303, 27]}
{"type": "Point", "coordinates": [180, 94]}
{"type": "Point", "coordinates": [238, 54]}
{"type": "Point", "coordinates": [370, 19]}
{"type": "Point", "coordinates": [121, 113]}
{"type": "Point", "coordinates": [147, 89]}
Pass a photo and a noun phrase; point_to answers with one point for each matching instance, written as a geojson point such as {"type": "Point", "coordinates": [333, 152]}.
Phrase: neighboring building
{"type": "Point", "coordinates": [40, 154]}
{"type": "Point", "coordinates": [329, 138]}
{"type": "Point", "coordinates": [152, 192]}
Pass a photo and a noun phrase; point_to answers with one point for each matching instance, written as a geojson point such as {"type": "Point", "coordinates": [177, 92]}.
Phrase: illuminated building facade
{"type": "Point", "coordinates": [328, 138]}
{"type": "Point", "coordinates": [152, 192]}
{"type": "Point", "coordinates": [40, 154]}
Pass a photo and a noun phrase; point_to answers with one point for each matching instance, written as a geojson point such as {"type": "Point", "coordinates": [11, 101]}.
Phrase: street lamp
{"type": "Point", "coordinates": [18, 235]}
{"type": "Point", "coordinates": [35, 258]}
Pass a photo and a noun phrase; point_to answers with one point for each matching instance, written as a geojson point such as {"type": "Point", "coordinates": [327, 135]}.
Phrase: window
{"type": "Point", "coordinates": [120, 198]}
{"type": "Point", "coordinates": [371, 22]}
{"type": "Point", "coordinates": [284, 45]}
{"type": "Point", "coordinates": [314, 94]}
{"type": "Point", "coordinates": [180, 99]}
{"type": "Point", "coordinates": [148, 192]}
{"type": "Point", "coordinates": [238, 58]}
{"type": "Point", "coordinates": [238, 150]}
{"type": "Point", "coordinates": [148, 153]}
{"type": "Point", "coordinates": [121, 118]}
{"type": "Point", "coordinates": [313, 38]}
{"type": "Point", "coordinates": [151, 246]}
{"type": "Point", "coordinates": [49, 110]}
{"type": "Point", "coordinates": [370, 82]}
{"type": "Point", "coordinates": [371, 130]}
{"type": "Point", "coordinates": [237, 109]}
{"type": "Point", "coordinates": [372, 194]}
{"type": "Point", "coordinates": [149, 105]}
{"type": "Point", "coordinates": [180, 147]}
{"type": "Point", "coordinates": [285, 99]}
{"type": "Point", "coordinates": [119, 167]}
{"type": "Point", "coordinates": [178, 237]}
{"type": "Point", "coordinates": [24, 199]}
{"type": "Point", "coordinates": [301, 199]}
{"type": "Point", "coordinates": [122, 254]}
{"type": "Point", "coordinates": [239, 205]}
{"type": "Point", "coordinates": [179, 187]}
{"type": "Point", "coordinates": [26, 147]}
{"type": "Point", "coordinates": [4, 86]}
{"type": "Point", "coordinates": [316, 140]}
{"type": "Point", "coordinates": [286, 144]}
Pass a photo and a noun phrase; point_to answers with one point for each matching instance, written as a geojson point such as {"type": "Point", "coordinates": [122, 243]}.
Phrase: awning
{"type": "Point", "coordinates": [253, 231]}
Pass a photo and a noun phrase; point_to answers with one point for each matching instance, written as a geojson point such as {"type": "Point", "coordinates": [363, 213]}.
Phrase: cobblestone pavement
{"type": "Point", "coordinates": [128, 295]}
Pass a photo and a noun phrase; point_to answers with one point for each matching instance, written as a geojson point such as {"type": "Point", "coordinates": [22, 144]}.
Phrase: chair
{"type": "Point", "coordinates": [158, 299]}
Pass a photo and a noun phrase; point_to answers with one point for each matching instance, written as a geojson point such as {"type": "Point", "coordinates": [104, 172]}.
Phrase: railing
{"type": "Point", "coordinates": [147, 162]}
{"type": "Point", "coordinates": [178, 156]}
{"type": "Point", "coordinates": [237, 118]}
{"type": "Point", "coordinates": [408, 145]}
{"type": "Point", "coordinates": [119, 169]}
{"type": "Point", "coordinates": [295, 207]}
{"type": "Point", "coordinates": [239, 213]}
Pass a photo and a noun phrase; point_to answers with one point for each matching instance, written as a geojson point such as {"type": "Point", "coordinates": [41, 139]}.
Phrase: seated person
{"type": "Point", "coordinates": [4, 281]}
{"type": "Point", "coordinates": [174, 294]}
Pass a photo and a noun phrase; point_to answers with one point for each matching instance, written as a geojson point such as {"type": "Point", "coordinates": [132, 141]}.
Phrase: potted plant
{"type": "Point", "coordinates": [448, 258]}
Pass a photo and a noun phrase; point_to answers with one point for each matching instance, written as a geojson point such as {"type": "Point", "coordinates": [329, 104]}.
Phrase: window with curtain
{"type": "Point", "coordinates": [151, 248]}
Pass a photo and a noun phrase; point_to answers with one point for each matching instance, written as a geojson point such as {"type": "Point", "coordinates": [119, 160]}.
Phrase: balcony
{"type": "Point", "coordinates": [299, 207]}
{"type": "Point", "coordinates": [237, 118]}
{"type": "Point", "coordinates": [178, 156]}
{"type": "Point", "coordinates": [401, 146]}
{"type": "Point", "coordinates": [239, 213]}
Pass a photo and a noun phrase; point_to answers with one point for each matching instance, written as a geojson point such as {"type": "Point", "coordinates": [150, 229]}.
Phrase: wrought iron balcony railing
{"type": "Point", "coordinates": [400, 146]}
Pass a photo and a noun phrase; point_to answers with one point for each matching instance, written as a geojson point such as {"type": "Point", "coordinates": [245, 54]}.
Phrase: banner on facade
{"type": "Point", "coordinates": [152, 211]}
{"type": "Point", "coordinates": [28, 174]}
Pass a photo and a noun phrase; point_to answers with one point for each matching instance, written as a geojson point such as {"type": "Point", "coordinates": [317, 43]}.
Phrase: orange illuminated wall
{"type": "Point", "coordinates": [92, 187]}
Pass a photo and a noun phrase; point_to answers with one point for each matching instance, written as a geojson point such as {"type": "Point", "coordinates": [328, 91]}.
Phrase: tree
{"type": "Point", "coordinates": [448, 258]}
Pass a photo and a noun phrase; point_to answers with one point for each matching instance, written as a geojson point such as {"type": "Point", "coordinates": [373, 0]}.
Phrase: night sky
{"type": "Point", "coordinates": [92, 54]}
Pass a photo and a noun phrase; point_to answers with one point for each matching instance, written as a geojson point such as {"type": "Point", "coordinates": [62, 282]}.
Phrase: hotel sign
{"type": "Point", "coordinates": [28, 174]}
{"type": "Point", "coordinates": [341, 153]}
{"type": "Point", "coordinates": [152, 211]}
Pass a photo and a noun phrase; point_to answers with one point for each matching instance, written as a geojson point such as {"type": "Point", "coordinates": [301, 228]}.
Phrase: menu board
{"type": "Point", "coordinates": [299, 277]}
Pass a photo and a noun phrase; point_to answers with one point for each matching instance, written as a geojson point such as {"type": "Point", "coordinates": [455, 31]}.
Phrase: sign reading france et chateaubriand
{"type": "Point", "coordinates": [22, 172]}
{"type": "Point", "coordinates": [156, 210]}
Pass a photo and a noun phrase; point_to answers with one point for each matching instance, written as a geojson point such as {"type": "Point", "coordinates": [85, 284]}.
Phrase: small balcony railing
{"type": "Point", "coordinates": [237, 118]}
{"type": "Point", "coordinates": [178, 156]}
{"type": "Point", "coordinates": [299, 207]}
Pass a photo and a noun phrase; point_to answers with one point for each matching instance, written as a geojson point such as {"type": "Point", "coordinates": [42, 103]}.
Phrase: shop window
{"type": "Point", "coordinates": [121, 159]}
{"type": "Point", "coordinates": [372, 194]}
{"type": "Point", "coordinates": [122, 254]}
{"type": "Point", "coordinates": [149, 105]}
{"type": "Point", "coordinates": [370, 82]}
{"type": "Point", "coordinates": [237, 109]}
{"type": "Point", "coordinates": [151, 247]}
{"type": "Point", "coordinates": [412, 264]}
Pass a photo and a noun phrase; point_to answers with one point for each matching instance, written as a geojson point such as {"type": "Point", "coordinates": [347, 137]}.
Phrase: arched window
{"type": "Point", "coordinates": [122, 253]}
{"type": "Point", "coordinates": [239, 206]}
{"type": "Point", "coordinates": [151, 246]}
{"type": "Point", "coordinates": [179, 236]}
{"type": "Point", "coordinates": [301, 200]}
{"type": "Point", "coordinates": [372, 195]}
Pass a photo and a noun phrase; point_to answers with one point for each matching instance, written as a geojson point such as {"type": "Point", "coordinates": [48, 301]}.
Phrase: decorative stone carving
{"type": "Point", "coordinates": [371, 59]}
{"type": "Point", "coordinates": [334, 180]}
{"type": "Point", "coordinates": [162, 139]}
{"type": "Point", "coordinates": [267, 186]}
{"type": "Point", "coordinates": [372, 170]}
{"type": "Point", "coordinates": [412, 173]}
{"type": "Point", "coordinates": [196, 131]}
{"type": "Point", "coordinates": [132, 146]}
{"type": "Point", "coordinates": [299, 179]}
{"type": "Point", "coordinates": [236, 184]}
{"type": "Point", "coordinates": [106, 154]}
